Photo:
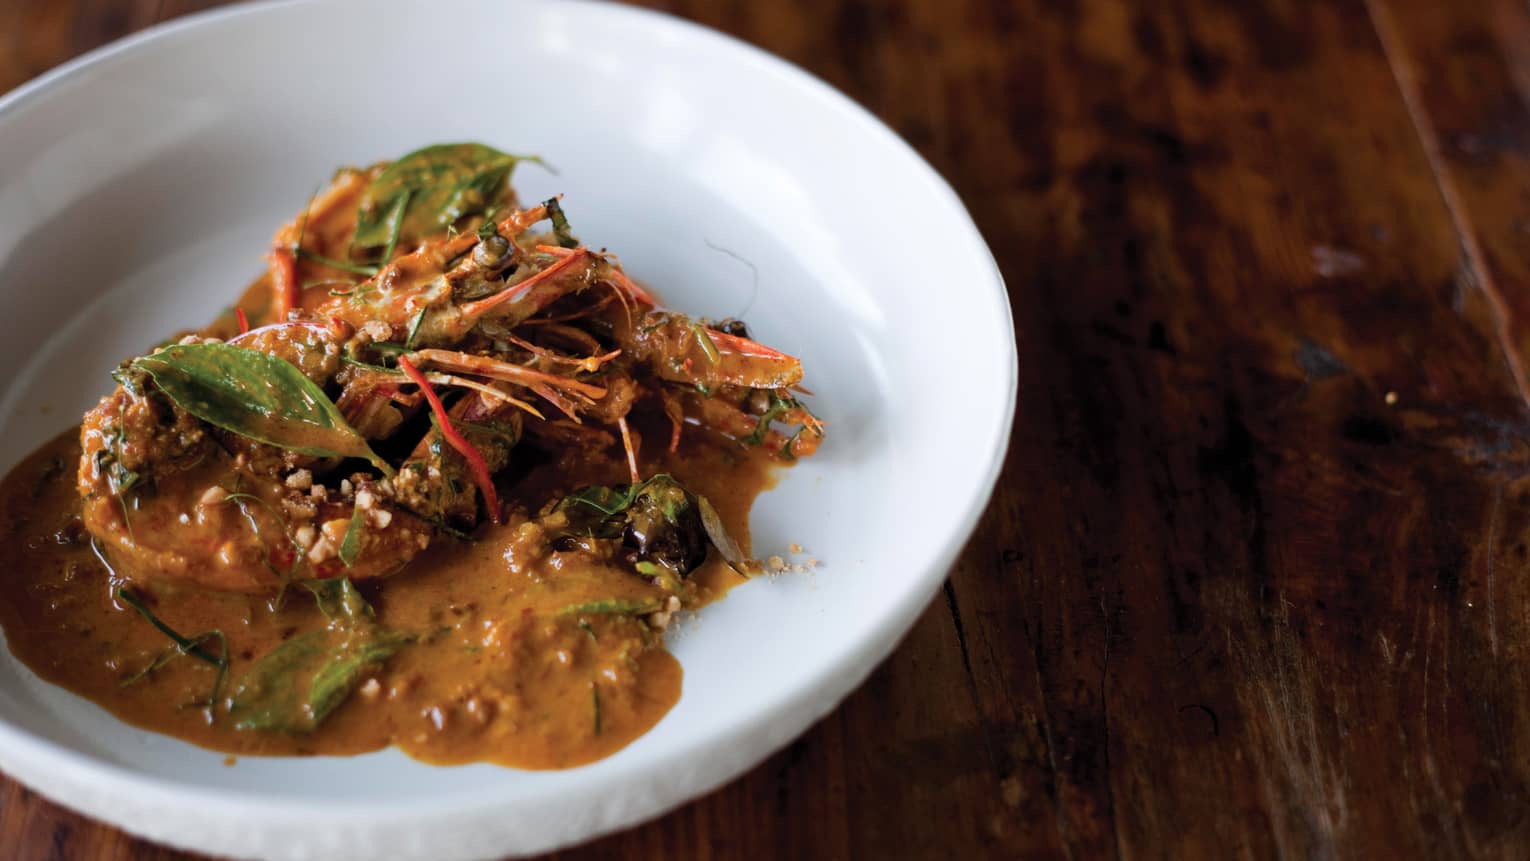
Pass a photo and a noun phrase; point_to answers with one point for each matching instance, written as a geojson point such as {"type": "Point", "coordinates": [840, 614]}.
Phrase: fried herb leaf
{"type": "Point", "coordinates": [561, 230]}
{"type": "Point", "coordinates": [256, 395]}
{"type": "Point", "coordinates": [438, 185]}
{"type": "Point", "coordinates": [661, 522]}
{"type": "Point", "coordinates": [606, 500]}
{"type": "Point", "coordinates": [779, 406]}
{"type": "Point", "coordinates": [613, 500]}
{"type": "Point", "coordinates": [717, 533]}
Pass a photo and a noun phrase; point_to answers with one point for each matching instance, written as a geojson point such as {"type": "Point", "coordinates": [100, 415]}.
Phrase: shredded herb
{"type": "Point", "coordinates": [786, 447]}
{"type": "Point", "coordinates": [127, 521]}
{"type": "Point", "coordinates": [414, 328]}
{"type": "Point", "coordinates": [350, 547]}
{"type": "Point", "coordinates": [439, 185]}
{"type": "Point", "coordinates": [239, 499]}
{"type": "Point", "coordinates": [779, 406]}
{"type": "Point", "coordinates": [613, 606]}
{"type": "Point", "coordinates": [438, 523]}
{"type": "Point", "coordinates": [708, 346]}
{"type": "Point", "coordinates": [120, 477]}
{"type": "Point", "coordinates": [321, 282]}
{"type": "Point", "coordinates": [595, 704]}
{"type": "Point", "coordinates": [395, 224]}
{"type": "Point", "coordinates": [489, 228]}
{"type": "Point", "coordinates": [381, 369]}
{"type": "Point", "coordinates": [388, 348]}
{"type": "Point", "coordinates": [588, 629]}
{"type": "Point", "coordinates": [185, 644]}
{"type": "Point", "coordinates": [343, 265]}
{"type": "Point", "coordinates": [176, 651]}
{"type": "Point", "coordinates": [163, 658]}
{"type": "Point", "coordinates": [611, 500]}
{"type": "Point", "coordinates": [222, 677]}
{"type": "Point", "coordinates": [297, 247]}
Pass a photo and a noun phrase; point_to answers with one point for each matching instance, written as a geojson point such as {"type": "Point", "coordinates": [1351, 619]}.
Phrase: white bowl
{"type": "Point", "coordinates": [140, 184]}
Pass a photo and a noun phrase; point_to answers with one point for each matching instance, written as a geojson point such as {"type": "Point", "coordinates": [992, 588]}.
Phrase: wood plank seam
{"type": "Point", "coordinates": [1472, 255]}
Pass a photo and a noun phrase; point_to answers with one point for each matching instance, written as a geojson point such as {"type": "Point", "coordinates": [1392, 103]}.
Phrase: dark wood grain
{"type": "Point", "coordinates": [1254, 582]}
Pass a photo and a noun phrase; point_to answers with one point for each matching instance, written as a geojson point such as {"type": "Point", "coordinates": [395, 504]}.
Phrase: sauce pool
{"type": "Point", "coordinates": [501, 667]}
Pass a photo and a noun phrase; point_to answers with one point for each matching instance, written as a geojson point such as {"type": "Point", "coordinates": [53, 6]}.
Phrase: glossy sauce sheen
{"type": "Point", "coordinates": [499, 671]}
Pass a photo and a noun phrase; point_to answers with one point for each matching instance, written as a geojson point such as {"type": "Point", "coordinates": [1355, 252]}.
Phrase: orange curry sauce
{"type": "Point", "coordinates": [498, 669]}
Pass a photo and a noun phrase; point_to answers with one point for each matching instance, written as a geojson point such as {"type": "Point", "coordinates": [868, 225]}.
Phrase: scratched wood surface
{"type": "Point", "coordinates": [1256, 580]}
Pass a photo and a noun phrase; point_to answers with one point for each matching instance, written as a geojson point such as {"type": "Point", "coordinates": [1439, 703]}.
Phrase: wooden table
{"type": "Point", "coordinates": [1256, 579]}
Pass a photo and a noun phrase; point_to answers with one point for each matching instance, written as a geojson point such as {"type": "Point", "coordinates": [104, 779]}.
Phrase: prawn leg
{"type": "Point", "coordinates": [731, 419]}
{"type": "Point", "coordinates": [680, 350]}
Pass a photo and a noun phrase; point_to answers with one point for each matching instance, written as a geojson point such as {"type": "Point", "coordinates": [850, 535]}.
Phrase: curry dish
{"type": "Point", "coordinates": [441, 479]}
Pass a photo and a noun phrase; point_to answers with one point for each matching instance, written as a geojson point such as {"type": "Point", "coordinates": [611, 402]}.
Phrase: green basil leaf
{"type": "Point", "coordinates": [438, 185]}
{"type": "Point", "coordinates": [605, 500]}
{"type": "Point", "coordinates": [332, 661]}
{"type": "Point", "coordinates": [350, 546]}
{"type": "Point", "coordinates": [339, 677]}
{"type": "Point", "coordinates": [340, 601]}
{"type": "Point", "coordinates": [256, 395]}
{"type": "Point", "coordinates": [268, 696]}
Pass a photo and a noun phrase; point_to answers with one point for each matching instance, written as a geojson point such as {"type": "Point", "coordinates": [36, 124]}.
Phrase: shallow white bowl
{"type": "Point", "coordinates": [139, 185]}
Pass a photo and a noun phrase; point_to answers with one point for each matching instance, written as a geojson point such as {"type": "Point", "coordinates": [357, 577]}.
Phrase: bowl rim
{"type": "Point", "coordinates": [25, 754]}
